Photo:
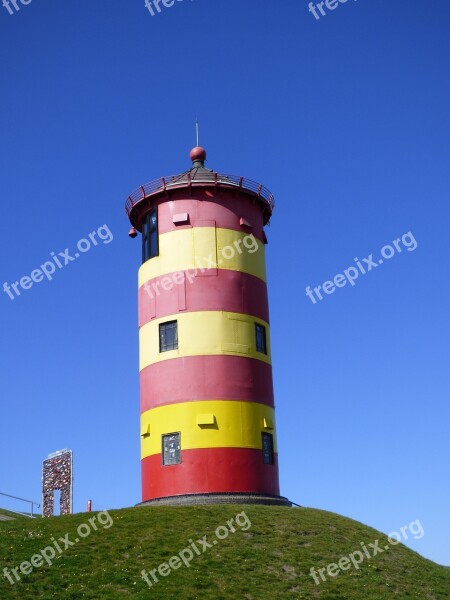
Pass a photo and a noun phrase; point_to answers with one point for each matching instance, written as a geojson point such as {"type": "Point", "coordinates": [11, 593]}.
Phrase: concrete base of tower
{"type": "Point", "coordinates": [224, 498]}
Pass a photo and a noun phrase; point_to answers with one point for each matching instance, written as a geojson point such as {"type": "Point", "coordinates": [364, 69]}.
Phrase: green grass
{"type": "Point", "coordinates": [271, 560]}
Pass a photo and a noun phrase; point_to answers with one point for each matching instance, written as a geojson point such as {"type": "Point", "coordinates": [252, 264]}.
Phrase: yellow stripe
{"type": "Point", "coordinates": [204, 333]}
{"type": "Point", "coordinates": [235, 425]}
{"type": "Point", "coordinates": [206, 247]}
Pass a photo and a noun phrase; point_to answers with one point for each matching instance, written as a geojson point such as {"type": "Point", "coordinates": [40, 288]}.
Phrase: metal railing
{"type": "Point", "coordinates": [187, 180]}
{"type": "Point", "coordinates": [31, 502]}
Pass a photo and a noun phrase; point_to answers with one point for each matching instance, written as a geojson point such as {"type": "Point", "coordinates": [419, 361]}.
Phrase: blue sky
{"type": "Point", "coordinates": [346, 120]}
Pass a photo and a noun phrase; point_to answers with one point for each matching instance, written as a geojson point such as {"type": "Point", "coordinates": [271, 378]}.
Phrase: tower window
{"type": "Point", "coordinates": [171, 449]}
{"type": "Point", "coordinates": [261, 345]}
{"type": "Point", "coordinates": [168, 336]}
{"type": "Point", "coordinates": [267, 448]}
{"type": "Point", "coordinates": [150, 245]}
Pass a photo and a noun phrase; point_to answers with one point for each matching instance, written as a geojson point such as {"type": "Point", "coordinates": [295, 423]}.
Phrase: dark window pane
{"type": "Point", "coordinates": [171, 449]}
{"type": "Point", "coordinates": [153, 244]}
{"type": "Point", "coordinates": [152, 220]}
{"type": "Point", "coordinates": [267, 448]}
{"type": "Point", "coordinates": [261, 345]}
{"type": "Point", "coordinates": [150, 241]}
{"type": "Point", "coordinates": [168, 336]}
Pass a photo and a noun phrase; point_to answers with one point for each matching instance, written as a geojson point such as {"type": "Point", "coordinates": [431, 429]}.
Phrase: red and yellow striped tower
{"type": "Point", "coordinates": [207, 407]}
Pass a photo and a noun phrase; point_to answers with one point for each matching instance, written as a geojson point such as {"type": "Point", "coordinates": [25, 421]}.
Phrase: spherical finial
{"type": "Point", "coordinates": [198, 153]}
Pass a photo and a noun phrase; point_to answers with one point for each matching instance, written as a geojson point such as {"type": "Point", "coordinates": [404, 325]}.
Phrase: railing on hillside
{"type": "Point", "coordinates": [30, 502]}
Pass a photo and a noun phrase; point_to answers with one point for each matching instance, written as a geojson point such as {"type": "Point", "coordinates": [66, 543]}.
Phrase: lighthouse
{"type": "Point", "coordinates": [208, 430]}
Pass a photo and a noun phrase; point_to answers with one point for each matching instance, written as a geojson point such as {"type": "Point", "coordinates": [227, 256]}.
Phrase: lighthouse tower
{"type": "Point", "coordinates": [208, 429]}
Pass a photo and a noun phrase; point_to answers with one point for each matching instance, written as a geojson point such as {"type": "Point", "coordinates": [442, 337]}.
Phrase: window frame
{"type": "Point", "coordinates": [165, 347]}
{"type": "Point", "coordinates": [268, 455]}
{"type": "Point", "coordinates": [178, 457]}
{"type": "Point", "coordinates": [261, 329]}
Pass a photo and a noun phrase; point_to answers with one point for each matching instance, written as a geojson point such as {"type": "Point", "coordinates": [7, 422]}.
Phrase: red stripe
{"type": "Point", "coordinates": [226, 210]}
{"type": "Point", "coordinates": [218, 377]}
{"type": "Point", "coordinates": [226, 290]}
{"type": "Point", "coordinates": [211, 470]}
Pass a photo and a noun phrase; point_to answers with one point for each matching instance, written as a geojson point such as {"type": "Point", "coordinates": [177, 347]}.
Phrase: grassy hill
{"type": "Point", "coordinates": [269, 556]}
